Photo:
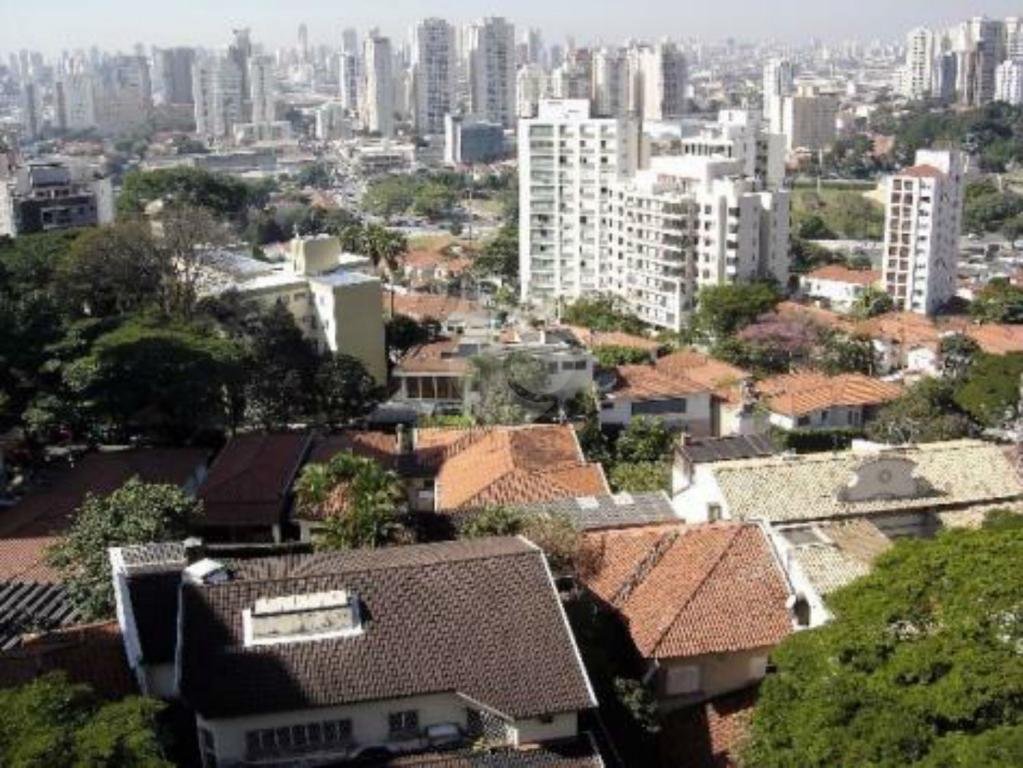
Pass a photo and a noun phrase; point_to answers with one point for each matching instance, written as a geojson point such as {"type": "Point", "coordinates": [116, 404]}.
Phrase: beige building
{"type": "Point", "coordinates": [809, 120]}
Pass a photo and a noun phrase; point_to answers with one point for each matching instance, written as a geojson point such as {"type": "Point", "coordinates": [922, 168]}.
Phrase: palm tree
{"type": "Point", "coordinates": [360, 502]}
{"type": "Point", "coordinates": [384, 246]}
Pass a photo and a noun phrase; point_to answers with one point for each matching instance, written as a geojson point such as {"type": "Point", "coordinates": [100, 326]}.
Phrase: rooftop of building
{"type": "Point", "coordinates": [621, 510]}
{"type": "Point", "coordinates": [729, 448]}
{"type": "Point", "coordinates": [685, 590]}
{"type": "Point", "coordinates": [480, 619]}
{"type": "Point", "coordinates": [832, 554]}
{"type": "Point", "coordinates": [839, 273]}
{"type": "Point", "coordinates": [799, 394]}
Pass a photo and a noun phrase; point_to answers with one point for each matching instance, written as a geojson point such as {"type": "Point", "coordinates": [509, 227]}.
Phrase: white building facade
{"type": "Point", "coordinates": [434, 70]}
{"type": "Point", "coordinates": [489, 46]}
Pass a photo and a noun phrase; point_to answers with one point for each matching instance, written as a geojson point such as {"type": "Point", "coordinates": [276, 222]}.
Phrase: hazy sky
{"type": "Point", "coordinates": [56, 24]}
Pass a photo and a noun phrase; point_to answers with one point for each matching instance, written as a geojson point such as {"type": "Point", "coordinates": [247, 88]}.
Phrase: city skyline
{"type": "Point", "coordinates": [193, 23]}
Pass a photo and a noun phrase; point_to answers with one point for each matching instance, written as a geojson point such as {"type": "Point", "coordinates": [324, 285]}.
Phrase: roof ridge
{"type": "Point", "coordinates": [263, 437]}
{"type": "Point", "coordinates": [702, 583]}
{"type": "Point", "coordinates": [647, 564]}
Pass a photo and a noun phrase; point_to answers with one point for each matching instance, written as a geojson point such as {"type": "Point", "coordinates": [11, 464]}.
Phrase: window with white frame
{"type": "Point", "coordinates": [403, 723]}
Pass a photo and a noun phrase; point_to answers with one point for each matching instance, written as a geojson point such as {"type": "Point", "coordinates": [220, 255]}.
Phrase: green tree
{"type": "Point", "coordinates": [150, 377]}
{"type": "Point", "coordinates": [925, 413]}
{"type": "Point", "coordinates": [403, 333]}
{"type": "Point", "coordinates": [725, 309]}
{"type": "Point", "coordinates": [990, 391]}
{"type": "Point", "coordinates": [136, 513]}
{"type": "Point", "coordinates": [317, 175]}
{"type": "Point", "coordinates": [224, 195]}
{"type": "Point", "coordinates": [556, 534]}
{"type": "Point", "coordinates": [840, 353]}
{"type": "Point", "coordinates": [920, 666]}
{"type": "Point", "coordinates": [641, 476]}
{"type": "Point", "coordinates": [511, 388]}
{"type": "Point", "coordinates": [957, 353]}
{"type": "Point", "coordinates": [602, 313]}
{"type": "Point", "coordinates": [345, 389]}
{"type": "Point", "coordinates": [998, 302]}
{"type": "Point", "coordinates": [360, 502]}
{"type": "Point", "coordinates": [645, 439]}
{"type": "Point", "coordinates": [610, 355]}
{"type": "Point", "coordinates": [493, 521]}
{"type": "Point", "coordinates": [50, 722]}
{"type": "Point", "coordinates": [872, 302]}
{"type": "Point", "coordinates": [280, 384]}
{"type": "Point", "coordinates": [500, 254]}
{"type": "Point", "coordinates": [814, 228]}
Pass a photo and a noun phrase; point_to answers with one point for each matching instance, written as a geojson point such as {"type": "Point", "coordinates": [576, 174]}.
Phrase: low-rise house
{"type": "Point", "coordinates": [902, 490]}
{"type": "Point", "coordinates": [837, 286]}
{"type": "Point", "coordinates": [247, 493]}
{"type": "Point", "coordinates": [642, 390]}
{"type": "Point", "coordinates": [312, 659]}
{"type": "Point", "coordinates": [809, 400]}
{"type": "Point", "coordinates": [704, 605]}
{"type": "Point", "coordinates": [436, 376]}
{"type": "Point", "coordinates": [510, 466]}
{"type": "Point", "coordinates": [822, 557]}
{"type": "Point", "coordinates": [425, 266]}
{"type": "Point", "coordinates": [731, 406]}
{"type": "Point", "coordinates": [595, 339]}
{"type": "Point", "coordinates": [692, 452]}
{"type": "Point", "coordinates": [621, 510]}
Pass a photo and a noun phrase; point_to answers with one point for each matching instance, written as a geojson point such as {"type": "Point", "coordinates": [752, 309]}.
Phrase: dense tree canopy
{"type": "Point", "coordinates": [136, 513]}
{"type": "Point", "coordinates": [50, 722]}
{"type": "Point", "coordinates": [224, 195]}
{"type": "Point", "coordinates": [998, 302]}
{"type": "Point", "coordinates": [925, 413]}
{"type": "Point", "coordinates": [920, 667]}
{"type": "Point", "coordinates": [725, 309]}
{"type": "Point", "coordinates": [989, 392]}
{"type": "Point", "coordinates": [602, 313]}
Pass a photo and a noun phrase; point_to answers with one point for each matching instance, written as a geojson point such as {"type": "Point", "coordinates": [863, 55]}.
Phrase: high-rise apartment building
{"type": "Point", "coordinates": [664, 75]}
{"type": "Point", "coordinates": [567, 163]}
{"type": "Point", "coordinates": [124, 95]}
{"type": "Point", "coordinates": [219, 99]}
{"type": "Point", "coordinates": [1009, 82]}
{"type": "Point", "coordinates": [918, 75]}
{"type": "Point", "coordinates": [75, 105]}
{"type": "Point", "coordinates": [351, 79]}
{"type": "Point", "coordinates": [434, 73]}
{"type": "Point", "coordinates": [779, 82]}
{"type": "Point", "coordinates": [349, 40]}
{"type": "Point", "coordinates": [610, 82]}
{"type": "Point", "coordinates": [263, 85]}
{"type": "Point", "coordinates": [31, 110]}
{"type": "Point", "coordinates": [923, 219]}
{"type": "Point", "coordinates": [489, 52]}
{"type": "Point", "coordinates": [687, 223]}
{"type": "Point", "coordinates": [743, 136]}
{"type": "Point", "coordinates": [176, 75]}
{"type": "Point", "coordinates": [376, 108]}
{"type": "Point", "coordinates": [531, 85]}
{"type": "Point", "coordinates": [809, 120]}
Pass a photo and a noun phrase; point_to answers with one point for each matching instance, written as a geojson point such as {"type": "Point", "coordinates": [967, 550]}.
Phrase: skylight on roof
{"type": "Point", "coordinates": [301, 618]}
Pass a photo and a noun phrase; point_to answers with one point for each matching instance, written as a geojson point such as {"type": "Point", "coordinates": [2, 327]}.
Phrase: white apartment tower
{"type": "Point", "coordinates": [264, 89]}
{"type": "Point", "coordinates": [687, 223]}
{"type": "Point", "coordinates": [489, 49]}
{"type": "Point", "coordinates": [664, 77]}
{"type": "Point", "coordinates": [377, 93]}
{"type": "Point", "coordinates": [568, 161]}
{"type": "Point", "coordinates": [743, 136]}
{"type": "Point", "coordinates": [610, 82]}
{"type": "Point", "coordinates": [923, 218]}
{"type": "Point", "coordinates": [217, 87]}
{"type": "Point", "coordinates": [1009, 82]}
{"type": "Point", "coordinates": [779, 82]}
{"type": "Point", "coordinates": [918, 76]}
{"type": "Point", "coordinates": [434, 72]}
{"type": "Point", "coordinates": [531, 85]}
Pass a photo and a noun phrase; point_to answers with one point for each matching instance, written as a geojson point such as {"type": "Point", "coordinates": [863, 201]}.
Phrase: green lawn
{"type": "Point", "coordinates": [836, 213]}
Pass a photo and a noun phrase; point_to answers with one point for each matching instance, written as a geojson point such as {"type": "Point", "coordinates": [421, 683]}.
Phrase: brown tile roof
{"type": "Point", "coordinates": [434, 357]}
{"type": "Point", "coordinates": [514, 465]}
{"type": "Point", "coordinates": [841, 274]}
{"type": "Point", "coordinates": [906, 328]}
{"type": "Point", "coordinates": [691, 590]}
{"type": "Point", "coordinates": [249, 481]}
{"type": "Point", "coordinates": [592, 339]}
{"type": "Point", "coordinates": [818, 315]}
{"type": "Point", "coordinates": [33, 607]}
{"type": "Point", "coordinates": [92, 654]}
{"type": "Point", "coordinates": [921, 172]}
{"type": "Point", "coordinates": [997, 339]}
{"type": "Point", "coordinates": [478, 618]}
{"type": "Point", "coordinates": [645, 382]}
{"type": "Point", "coordinates": [720, 377]}
{"type": "Point", "coordinates": [797, 394]}
{"type": "Point", "coordinates": [382, 446]}
{"type": "Point", "coordinates": [33, 524]}
{"type": "Point", "coordinates": [708, 735]}
{"type": "Point", "coordinates": [420, 306]}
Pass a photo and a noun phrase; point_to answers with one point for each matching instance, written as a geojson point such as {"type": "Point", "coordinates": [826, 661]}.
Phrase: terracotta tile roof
{"type": "Point", "coordinates": [420, 306]}
{"type": "Point", "coordinates": [478, 618]}
{"type": "Point", "coordinates": [718, 376]}
{"type": "Point", "coordinates": [906, 328]}
{"type": "Point", "coordinates": [91, 653]}
{"type": "Point", "coordinates": [921, 172]}
{"type": "Point", "coordinates": [249, 481]}
{"type": "Point", "coordinates": [691, 590]}
{"type": "Point", "coordinates": [818, 315]}
{"type": "Point", "coordinates": [952, 475]}
{"type": "Point", "coordinates": [382, 446]}
{"type": "Point", "coordinates": [33, 524]}
{"type": "Point", "coordinates": [841, 274]}
{"type": "Point", "coordinates": [514, 465]}
{"type": "Point", "coordinates": [997, 339]}
{"type": "Point", "coordinates": [421, 258]}
{"type": "Point", "coordinates": [797, 394]}
{"type": "Point", "coordinates": [709, 735]}
{"type": "Point", "coordinates": [645, 382]}
{"type": "Point", "coordinates": [590, 338]}
{"type": "Point", "coordinates": [434, 357]}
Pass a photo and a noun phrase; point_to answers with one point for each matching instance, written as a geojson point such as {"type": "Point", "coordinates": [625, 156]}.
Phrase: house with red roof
{"type": "Point", "coordinates": [704, 605]}
{"type": "Point", "coordinates": [837, 286]}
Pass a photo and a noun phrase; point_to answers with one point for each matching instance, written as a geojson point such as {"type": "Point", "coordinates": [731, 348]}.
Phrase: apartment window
{"type": "Point", "coordinates": [713, 513]}
{"type": "Point", "coordinates": [403, 723]}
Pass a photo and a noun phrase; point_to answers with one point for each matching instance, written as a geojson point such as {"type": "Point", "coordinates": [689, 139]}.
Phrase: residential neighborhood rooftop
{"type": "Point", "coordinates": [797, 394]}
{"type": "Point", "coordinates": [622, 510]}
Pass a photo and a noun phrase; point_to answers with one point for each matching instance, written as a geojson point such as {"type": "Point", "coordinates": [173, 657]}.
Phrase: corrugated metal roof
{"type": "Point", "coordinates": [30, 607]}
